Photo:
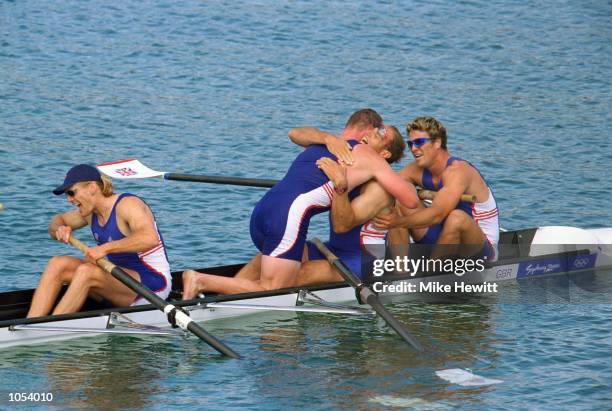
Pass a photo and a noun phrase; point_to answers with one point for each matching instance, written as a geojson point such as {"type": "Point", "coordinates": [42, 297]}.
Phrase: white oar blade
{"type": "Point", "coordinates": [465, 378]}
{"type": "Point", "coordinates": [128, 168]}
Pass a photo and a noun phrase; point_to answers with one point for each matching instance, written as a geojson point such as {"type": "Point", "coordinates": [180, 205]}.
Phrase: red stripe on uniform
{"type": "Point", "coordinates": [151, 251]}
{"type": "Point", "coordinates": [481, 213]}
{"type": "Point", "coordinates": [298, 231]}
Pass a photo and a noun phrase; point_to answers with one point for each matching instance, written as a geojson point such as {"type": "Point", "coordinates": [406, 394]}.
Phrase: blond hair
{"type": "Point", "coordinates": [431, 126]}
{"type": "Point", "coordinates": [106, 186]}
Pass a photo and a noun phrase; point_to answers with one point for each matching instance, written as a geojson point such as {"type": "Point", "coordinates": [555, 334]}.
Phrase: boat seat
{"type": "Point", "coordinates": [515, 244]}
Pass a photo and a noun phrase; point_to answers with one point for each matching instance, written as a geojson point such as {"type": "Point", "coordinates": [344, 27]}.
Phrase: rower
{"type": "Point", "coordinates": [352, 236]}
{"type": "Point", "coordinates": [124, 228]}
{"type": "Point", "coordinates": [279, 222]}
{"type": "Point", "coordinates": [448, 220]}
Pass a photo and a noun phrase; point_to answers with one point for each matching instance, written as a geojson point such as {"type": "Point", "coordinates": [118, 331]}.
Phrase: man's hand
{"type": "Point", "coordinates": [340, 148]}
{"type": "Point", "coordinates": [63, 233]}
{"type": "Point", "coordinates": [93, 254]}
{"type": "Point", "coordinates": [388, 221]}
{"type": "Point", "coordinates": [335, 172]}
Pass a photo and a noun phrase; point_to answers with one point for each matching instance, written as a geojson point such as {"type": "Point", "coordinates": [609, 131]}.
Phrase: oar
{"type": "Point", "coordinates": [365, 294]}
{"type": "Point", "coordinates": [430, 195]}
{"type": "Point", "coordinates": [182, 319]}
{"type": "Point", "coordinates": [132, 168]}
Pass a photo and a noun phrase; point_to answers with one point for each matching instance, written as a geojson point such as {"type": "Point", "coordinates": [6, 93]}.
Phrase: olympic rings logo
{"type": "Point", "coordinates": [582, 262]}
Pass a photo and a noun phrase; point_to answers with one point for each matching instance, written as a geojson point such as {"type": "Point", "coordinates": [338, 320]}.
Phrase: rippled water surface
{"type": "Point", "coordinates": [212, 88]}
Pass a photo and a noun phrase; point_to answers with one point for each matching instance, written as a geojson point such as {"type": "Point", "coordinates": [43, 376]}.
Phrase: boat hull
{"type": "Point", "coordinates": [16, 330]}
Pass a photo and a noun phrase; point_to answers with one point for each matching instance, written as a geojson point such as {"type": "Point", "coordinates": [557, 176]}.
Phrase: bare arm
{"type": "Point", "coordinates": [444, 202]}
{"type": "Point", "coordinates": [369, 164]}
{"type": "Point", "coordinates": [372, 201]}
{"type": "Point", "coordinates": [61, 225]}
{"type": "Point", "coordinates": [307, 136]}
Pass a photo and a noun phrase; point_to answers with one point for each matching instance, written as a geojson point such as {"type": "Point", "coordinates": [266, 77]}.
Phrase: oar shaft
{"type": "Point", "coordinates": [374, 302]}
{"type": "Point", "coordinates": [430, 195]}
{"type": "Point", "coordinates": [266, 183]}
{"type": "Point", "coordinates": [182, 319]}
{"type": "Point", "coordinates": [237, 181]}
{"type": "Point", "coordinates": [367, 295]}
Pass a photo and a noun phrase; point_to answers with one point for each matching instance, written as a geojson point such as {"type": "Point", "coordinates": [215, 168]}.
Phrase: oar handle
{"type": "Point", "coordinates": [430, 195]}
{"type": "Point", "coordinates": [102, 262]}
{"type": "Point", "coordinates": [237, 181]}
{"type": "Point", "coordinates": [365, 294]}
{"type": "Point", "coordinates": [182, 319]}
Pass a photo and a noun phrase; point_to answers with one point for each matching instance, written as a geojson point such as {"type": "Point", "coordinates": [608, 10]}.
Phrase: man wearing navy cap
{"type": "Point", "coordinates": [125, 232]}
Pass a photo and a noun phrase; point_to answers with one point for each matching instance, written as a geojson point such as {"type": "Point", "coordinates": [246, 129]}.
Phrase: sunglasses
{"type": "Point", "coordinates": [418, 142]}
{"type": "Point", "coordinates": [382, 131]}
{"type": "Point", "coordinates": [70, 193]}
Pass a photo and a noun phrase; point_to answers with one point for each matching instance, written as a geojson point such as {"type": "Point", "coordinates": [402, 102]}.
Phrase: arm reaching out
{"type": "Point", "coordinates": [369, 164]}
{"type": "Point", "coordinates": [346, 214]}
{"type": "Point", "coordinates": [307, 136]}
{"type": "Point", "coordinates": [397, 186]}
{"type": "Point", "coordinates": [443, 203]}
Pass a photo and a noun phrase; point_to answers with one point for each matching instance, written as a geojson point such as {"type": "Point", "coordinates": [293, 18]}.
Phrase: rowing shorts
{"type": "Point", "coordinates": [488, 251]}
{"type": "Point", "coordinates": [154, 282]}
{"type": "Point", "coordinates": [279, 223]}
{"type": "Point", "coordinates": [432, 234]}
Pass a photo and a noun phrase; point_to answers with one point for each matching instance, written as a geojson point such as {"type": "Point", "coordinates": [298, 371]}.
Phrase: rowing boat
{"type": "Point", "coordinates": [527, 253]}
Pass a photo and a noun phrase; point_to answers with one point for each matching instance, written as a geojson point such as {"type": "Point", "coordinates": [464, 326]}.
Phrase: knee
{"type": "Point", "coordinates": [456, 220]}
{"type": "Point", "coordinates": [86, 274]}
{"type": "Point", "coordinates": [56, 267]}
{"type": "Point", "coordinates": [58, 262]}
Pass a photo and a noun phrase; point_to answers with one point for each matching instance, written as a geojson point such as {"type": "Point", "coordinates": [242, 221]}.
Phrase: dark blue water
{"type": "Point", "coordinates": [523, 89]}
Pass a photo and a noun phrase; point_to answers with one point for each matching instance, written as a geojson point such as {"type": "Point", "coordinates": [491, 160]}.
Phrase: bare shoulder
{"type": "Point", "coordinates": [459, 171]}
{"type": "Point", "coordinates": [458, 167]}
{"type": "Point", "coordinates": [364, 150]}
{"type": "Point", "coordinates": [366, 158]}
{"type": "Point", "coordinates": [132, 205]}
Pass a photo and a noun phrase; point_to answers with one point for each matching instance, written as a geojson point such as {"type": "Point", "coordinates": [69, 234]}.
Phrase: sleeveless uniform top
{"type": "Point", "coordinates": [152, 265]}
{"type": "Point", "coordinates": [485, 214]}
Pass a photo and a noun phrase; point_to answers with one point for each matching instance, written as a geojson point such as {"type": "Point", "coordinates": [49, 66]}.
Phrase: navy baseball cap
{"type": "Point", "coordinates": [77, 174]}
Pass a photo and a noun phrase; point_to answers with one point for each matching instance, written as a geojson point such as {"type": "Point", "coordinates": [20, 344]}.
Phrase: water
{"type": "Point", "coordinates": [213, 88]}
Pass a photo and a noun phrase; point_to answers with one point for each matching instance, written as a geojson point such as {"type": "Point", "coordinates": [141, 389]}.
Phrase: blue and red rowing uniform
{"type": "Point", "coordinates": [279, 222]}
{"type": "Point", "coordinates": [152, 265]}
{"type": "Point", "coordinates": [485, 214]}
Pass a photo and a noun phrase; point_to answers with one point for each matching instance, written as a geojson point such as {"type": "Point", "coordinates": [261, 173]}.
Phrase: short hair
{"type": "Point", "coordinates": [431, 126]}
{"type": "Point", "coordinates": [365, 117]}
{"type": "Point", "coordinates": [396, 146]}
